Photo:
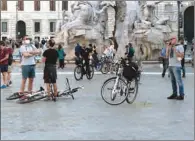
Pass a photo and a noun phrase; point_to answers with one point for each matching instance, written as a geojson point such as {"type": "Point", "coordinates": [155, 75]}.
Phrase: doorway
{"type": "Point", "coordinates": [189, 23]}
{"type": "Point", "coordinates": [20, 29]}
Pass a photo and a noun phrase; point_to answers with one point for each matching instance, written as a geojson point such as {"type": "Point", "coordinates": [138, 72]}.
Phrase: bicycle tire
{"type": "Point", "coordinates": [15, 96]}
{"type": "Point", "coordinates": [107, 68]}
{"type": "Point", "coordinates": [31, 99]}
{"type": "Point", "coordinates": [75, 71]}
{"type": "Point", "coordinates": [136, 92]}
{"type": "Point", "coordinates": [89, 77]}
{"type": "Point", "coordinates": [105, 83]}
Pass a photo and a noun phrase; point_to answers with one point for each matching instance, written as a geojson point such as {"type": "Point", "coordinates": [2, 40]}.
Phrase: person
{"type": "Point", "coordinates": [4, 55]}
{"type": "Point", "coordinates": [95, 57]}
{"type": "Point", "coordinates": [10, 60]}
{"type": "Point", "coordinates": [77, 50]}
{"type": "Point", "coordinates": [183, 60]}
{"type": "Point", "coordinates": [175, 54]}
{"type": "Point", "coordinates": [85, 52]}
{"type": "Point", "coordinates": [28, 62]}
{"type": "Point", "coordinates": [112, 51]}
{"type": "Point", "coordinates": [61, 55]}
{"type": "Point", "coordinates": [50, 57]}
{"type": "Point", "coordinates": [165, 60]}
{"type": "Point", "coordinates": [129, 51]}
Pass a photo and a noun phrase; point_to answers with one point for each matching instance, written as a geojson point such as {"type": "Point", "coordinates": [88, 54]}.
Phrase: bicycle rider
{"type": "Point", "coordinates": [85, 55]}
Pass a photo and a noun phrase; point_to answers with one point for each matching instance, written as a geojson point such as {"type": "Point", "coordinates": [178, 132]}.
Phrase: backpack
{"type": "Point", "coordinates": [163, 52]}
{"type": "Point", "coordinates": [130, 71]}
{"type": "Point", "coordinates": [10, 59]}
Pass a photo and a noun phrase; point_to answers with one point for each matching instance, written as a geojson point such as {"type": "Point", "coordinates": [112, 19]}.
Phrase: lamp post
{"type": "Point", "coordinates": [16, 19]}
{"type": "Point", "coordinates": [179, 18]}
{"type": "Point", "coordinates": [0, 20]}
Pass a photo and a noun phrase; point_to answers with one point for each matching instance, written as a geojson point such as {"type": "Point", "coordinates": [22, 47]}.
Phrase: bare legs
{"type": "Point", "coordinates": [30, 84]}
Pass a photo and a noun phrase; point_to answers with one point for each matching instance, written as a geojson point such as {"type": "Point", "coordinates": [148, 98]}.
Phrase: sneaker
{"type": "Point", "coordinates": [163, 75]}
{"type": "Point", "coordinates": [173, 96]}
{"type": "Point", "coordinates": [3, 86]}
{"type": "Point", "coordinates": [180, 97]}
{"type": "Point", "coordinates": [54, 99]}
{"type": "Point", "coordinates": [184, 76]}
{"type": "Point", "coordinates": [10, 82]}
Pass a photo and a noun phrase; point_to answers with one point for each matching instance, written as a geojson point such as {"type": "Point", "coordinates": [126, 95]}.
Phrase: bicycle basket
{"type": "Point", "coordinates": [130, 71]}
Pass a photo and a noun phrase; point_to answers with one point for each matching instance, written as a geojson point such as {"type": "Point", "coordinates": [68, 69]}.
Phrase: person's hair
{"type": "Point", "coordinates": [59, 47]}
{"type": "Point", "coordinates": [126, 46]}
{"type": "Point", "coordinates": [130, 44]}
{"type": "Point", "coordinates": [51, 43]}
{"type": "Point", "coordinates": [2, 43]}
{"type": "Point", "coordinates": [24, 37]}
{"type": "Point", "coordinates": [90, 45]}
{"type": "Point", "coordinates": [94, 46]}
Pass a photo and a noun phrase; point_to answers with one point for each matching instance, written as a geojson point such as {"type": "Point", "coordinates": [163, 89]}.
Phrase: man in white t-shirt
{"type": "Point", "coordinates": [28, 53]}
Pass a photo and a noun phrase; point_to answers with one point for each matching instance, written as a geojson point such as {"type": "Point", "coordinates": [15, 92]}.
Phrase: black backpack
{"type": "Point", "coordinates": [10, 59]}
{"type": "Point", "coordinates": [130, 71]}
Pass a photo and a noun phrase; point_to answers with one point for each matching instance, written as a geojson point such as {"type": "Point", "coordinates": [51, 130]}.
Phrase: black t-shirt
{"type": "Point", "coordinates": [85, 53]}
{"type": "Point", "coordinates": [51, 56]}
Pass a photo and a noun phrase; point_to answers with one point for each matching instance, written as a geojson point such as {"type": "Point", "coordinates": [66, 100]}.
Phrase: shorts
{"type": "Point", "coordinates": [3, 68]}
{"type": "Point", "coordinates": [50, 74]}
{"type": "Point", "coordinates": [28, 71]}
{"type": "Point", "coordinates": [9, 69]}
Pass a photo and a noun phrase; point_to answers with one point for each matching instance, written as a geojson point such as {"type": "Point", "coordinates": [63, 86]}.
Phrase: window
{"type": "Point", "coordinates": [4, 5]}
{"type": "Point", "coordinates": [52, 26]}
{"type": "Point", "coordinates": [20, 5]}
{"type": "Point", "coordinates": [4, 27]}
{"type": "Point", "coordinates": [37, 5]}
{"type": "Point", "coordinates": [65, 5]}
{"type": "Point", "coordinates": [169, 8]}
{"type": "Point", "coordinates": [37, 27]}
{"type": "Point", "coordinates": [52, 5]}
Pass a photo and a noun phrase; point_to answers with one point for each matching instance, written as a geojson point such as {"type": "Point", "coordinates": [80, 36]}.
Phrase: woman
{"type": "Point", "coordinates": [61, 56]}
{"type": "Point", "coordinates": [50, 57]}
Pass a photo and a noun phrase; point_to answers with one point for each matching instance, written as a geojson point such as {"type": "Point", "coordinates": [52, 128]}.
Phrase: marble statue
{"type": "Point", "coordinates": [133, 21]}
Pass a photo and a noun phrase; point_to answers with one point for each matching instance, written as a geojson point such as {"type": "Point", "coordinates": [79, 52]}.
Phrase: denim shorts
{"type": "Point", "coordinates": [3, 68]}
{"type": "Point", "coordinates": [28, 71]}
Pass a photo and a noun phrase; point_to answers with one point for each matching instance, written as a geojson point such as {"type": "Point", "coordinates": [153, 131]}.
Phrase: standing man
{"type": "Point", "coordinates": [28, 52]}
{"type": "Point", "coordinates": [165, 60]}
{"type": "Point", "coordinates": [176, 54]}
{"type": "Point", "coordinates": [184, 43]}
{"type": "Point", "coordinates": [4, 55]}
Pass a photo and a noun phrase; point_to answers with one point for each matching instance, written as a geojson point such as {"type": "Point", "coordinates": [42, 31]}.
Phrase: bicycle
{"type": "Point", "coordinates": [79, 70]}
{"type": "Point", "coordinates": [41, 94]}
{"type": "Point", "coordinates": [108, 66]}
{"type": "Point", "coordinates": [122, 85]}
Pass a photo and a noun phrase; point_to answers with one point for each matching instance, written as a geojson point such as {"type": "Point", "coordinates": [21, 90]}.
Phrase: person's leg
{"type": "Point", "coordinates": [9, 76]}
{"type": "Point", "coordinates": [179, 81]}
{"type": "Point", "coordinates": [164, 67]}
{"type": "Point", "coordinates": [31, 77]}
{"type": "Point", "coordinates": [55, 90]}
{"type": "Point", "coordinates": [4, 69]}
{"type": "Point", "coordinates": [62, 63]}
{"type": "Point", "coordinates": [173, 82]}
{"type": "Point", "coordinates": [24, 78]}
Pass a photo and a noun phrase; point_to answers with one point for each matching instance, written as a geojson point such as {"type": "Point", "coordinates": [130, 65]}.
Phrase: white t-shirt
{"type": "Point", "coordinates": [27, 60]}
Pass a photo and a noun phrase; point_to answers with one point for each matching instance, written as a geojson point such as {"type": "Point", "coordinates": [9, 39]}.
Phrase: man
{"type": "Point", "coordinates": [176, 54]}
{"type": "Point", "coordinates": [130, 51]}
{"type": "Point", "coordinates": [4, 55]}
{"type": "Point", "coordinates": [10, 60]}
{"type": "Point", "coordinates": [184, 43]}
{"type": "Point", "coordinates": [165, 60]}
{"type": "Point", "coordinates": [77, 50]}
{"type": "Point", "coordinates": [28, 53]}
{"type": "Point", "coordinates": [85, 52]}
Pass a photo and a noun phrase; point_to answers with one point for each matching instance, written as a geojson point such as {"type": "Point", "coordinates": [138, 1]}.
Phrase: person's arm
{"type": "Point", "coordinates": [35, 51]}
{"type": "Point", "coordinates": [179, 51]}
{"type": "Point", "coordinates": [24, 52]}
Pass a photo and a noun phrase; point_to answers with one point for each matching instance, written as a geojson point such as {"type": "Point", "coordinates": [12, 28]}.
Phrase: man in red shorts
{"type": "Point", "coordinates": [4, 55]}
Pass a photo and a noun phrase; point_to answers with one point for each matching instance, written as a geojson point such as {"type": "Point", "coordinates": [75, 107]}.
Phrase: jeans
{"type": "Point", "coordinates": [175, 73]}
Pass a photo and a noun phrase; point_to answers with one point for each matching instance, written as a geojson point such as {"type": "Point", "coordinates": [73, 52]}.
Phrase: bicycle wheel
{"type": "Point", "coordinates": [16, 95]}
{"type": "Point", "coordinates": [90, 72]}
{"type": "Point", "coordinates": [132, 91]}
{"type": "Point", "coordinates": [114, 98]}
{"type": "Point", "coordinates": [28, 99]}
{"type": "Point", "coordinates": [78, 71]}
{"type": "Point", "coordinates": [105, 68]}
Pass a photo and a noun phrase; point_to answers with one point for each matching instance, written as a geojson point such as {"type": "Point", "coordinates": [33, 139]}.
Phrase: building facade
{"type": "Point", "coordinates": [35, 18]}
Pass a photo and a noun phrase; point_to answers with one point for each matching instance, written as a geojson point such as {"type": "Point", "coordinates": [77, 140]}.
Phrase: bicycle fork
{"type": "Point", "coordinates": [114, 91]}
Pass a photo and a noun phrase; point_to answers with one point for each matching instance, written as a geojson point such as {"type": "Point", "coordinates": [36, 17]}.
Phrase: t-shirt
{"type": "Point", "coordinates": [51, 56]}
{"type": "Point", "coordinates": [27, 60]}
{"type": "Point", "coordinates": [61, 54]}
{"type": "Point", "coordinates": [173, 60]}
{"type": "Point", "coordinates": [3, 53]}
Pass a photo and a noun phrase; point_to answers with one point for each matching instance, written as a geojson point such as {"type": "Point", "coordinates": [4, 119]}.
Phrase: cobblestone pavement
{"type": "Point", "coordinates": [151, 117]}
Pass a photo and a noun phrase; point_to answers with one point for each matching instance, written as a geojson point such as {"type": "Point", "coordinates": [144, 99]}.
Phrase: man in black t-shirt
{"type": "Point", "coordinates": [85, 55]}
{"type": "Point", "coordinates": [50, 73]}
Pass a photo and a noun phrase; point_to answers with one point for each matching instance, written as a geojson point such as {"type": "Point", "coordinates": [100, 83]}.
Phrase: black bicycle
{"type": "Point", "coordinates": [81, 70]}
{"type": "Point", "coordinates": [41, 94]}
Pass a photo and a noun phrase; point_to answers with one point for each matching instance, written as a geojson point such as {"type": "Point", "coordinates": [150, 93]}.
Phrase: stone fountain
{"type": "Point", "coordinates": [118, 22]}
